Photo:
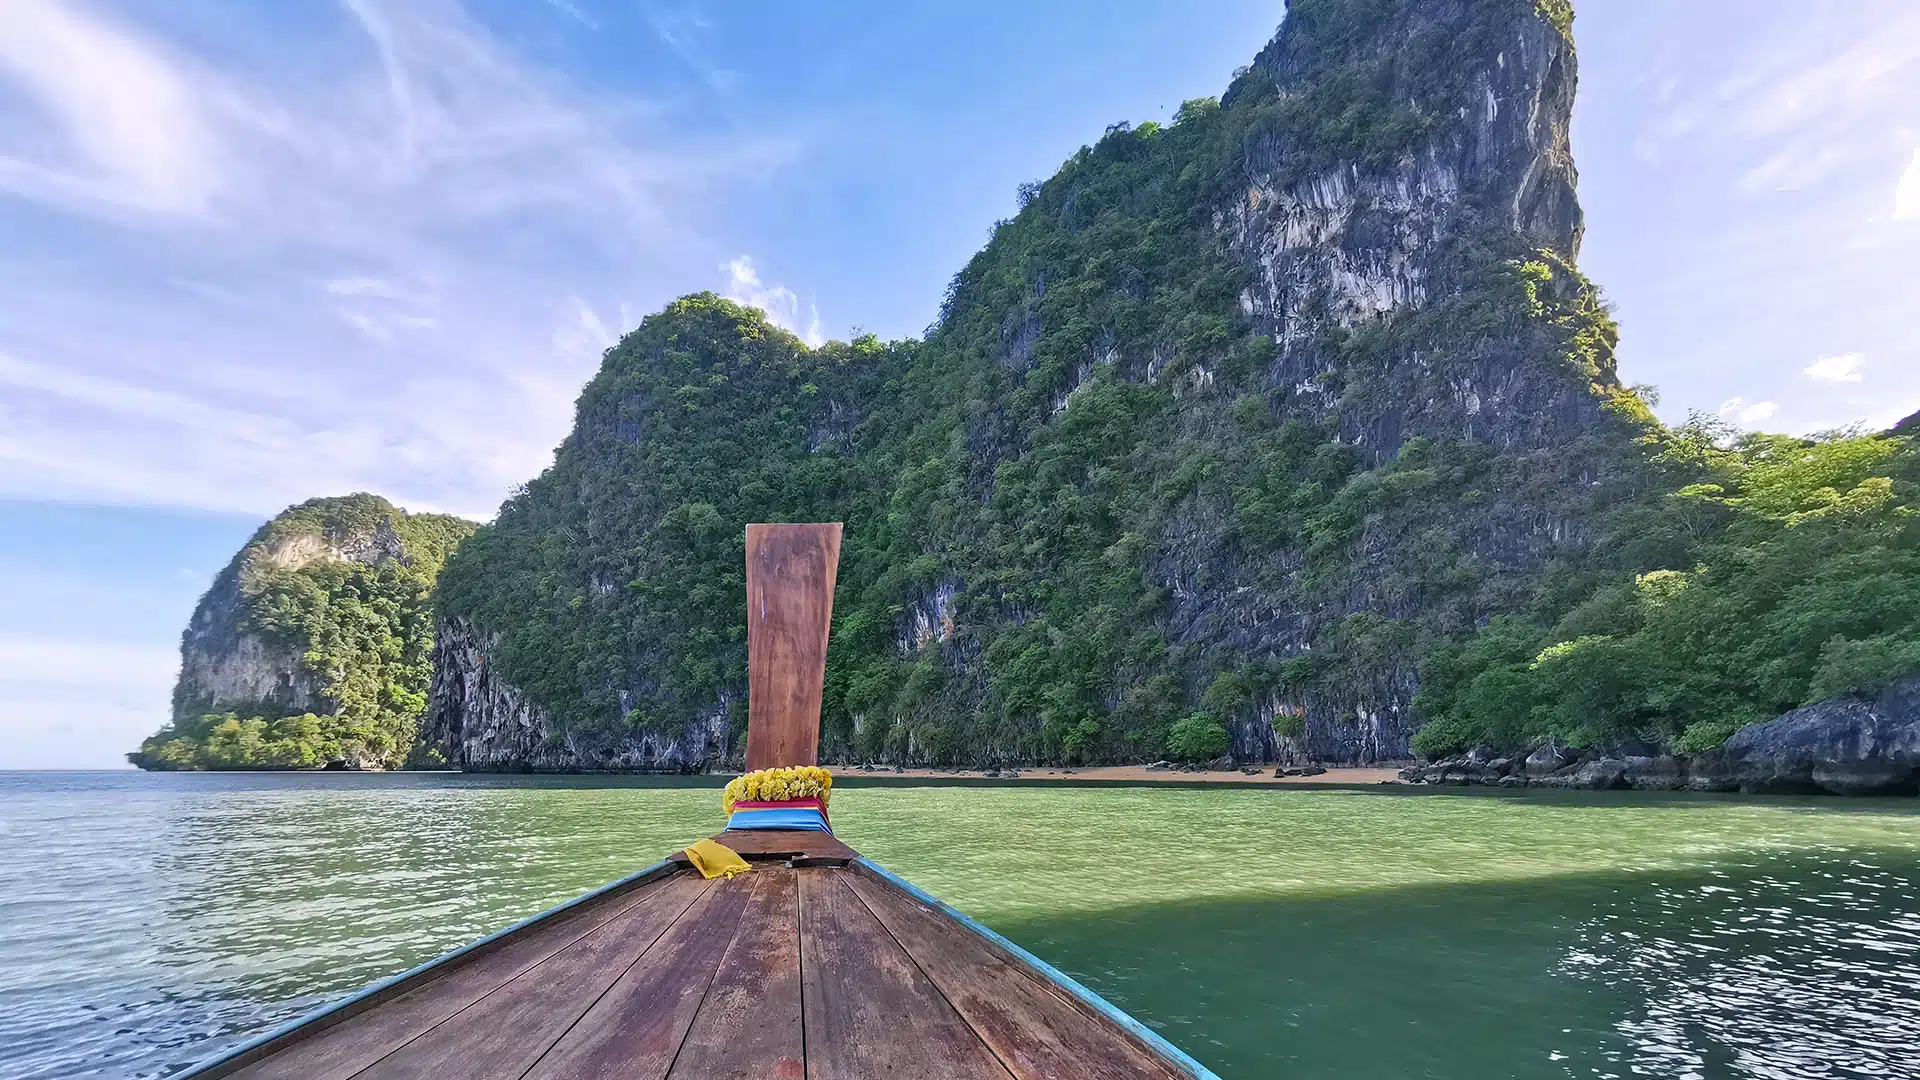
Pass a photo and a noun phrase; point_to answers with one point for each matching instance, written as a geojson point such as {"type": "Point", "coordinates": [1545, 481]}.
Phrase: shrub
{"type": "Point", "coordinates": [1439, 738]}
{"type": "Point", "coordinates": [1706, 735]}
{"type": "Point", "coordinates": [1198, 737]}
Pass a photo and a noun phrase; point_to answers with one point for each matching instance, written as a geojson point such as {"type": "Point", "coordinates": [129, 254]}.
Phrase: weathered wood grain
{"type": "Point", "coordinates": [500, 1036]}
{"type": "Point", "coordinates": [1038, 1031]}
{"type": "Point", "coordinates": [869, 1012]}
{"type": "Point", "coordinates": [791, 571]}
{"type": "Point", "coordinates": [635, 1029]}
{"type": "Point", "coordinates": [344, 1048]}
{"type": "Point", "coordinates": [748, 1028]}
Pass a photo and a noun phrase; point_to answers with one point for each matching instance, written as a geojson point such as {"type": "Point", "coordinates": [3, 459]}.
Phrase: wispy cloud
{"type": "Point", "coordinates": [680, 28]}
{"type": "Point", "coordinates": [124, 400]}
{"type": "Point", "coordinates": [79, 704]}
{"type": "Point", "coordinates": [1746, 413]}
{"type": "Point", "coordinates": [1775, 155]}
{"type": "Point", "coordinates": [53, 662]}
{"type": "Point", "coordinates": [117, 124]}
{"type": "Point", "coordinates": [1844, 368]}
{"type": "Point", "coordinates": [440, 124]}
{"type": "Point", "coordinates": [1814, 99]}
{"type": "Point", "coordinates": [381, 310]}
{"type": "Point", "coordinates": [367, 286]}
{"type": "Point", "coordinates": [1906, 193]}
{"type": "Point", "coordinates": [572, 11]}
{"type": "Point", "coordinates": [781, 304]}
{"type": "Point", "coordinates": [579, 333]}
{"type": "Point", "coordinates": [242, 282]}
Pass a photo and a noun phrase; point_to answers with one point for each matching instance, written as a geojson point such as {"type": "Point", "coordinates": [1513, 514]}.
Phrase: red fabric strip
{"type": "Point", "coordinates": [790, 804]}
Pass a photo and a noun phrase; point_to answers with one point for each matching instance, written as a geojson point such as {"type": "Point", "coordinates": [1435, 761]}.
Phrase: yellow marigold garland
{"type": "Point", "coordinates": [779, 785]}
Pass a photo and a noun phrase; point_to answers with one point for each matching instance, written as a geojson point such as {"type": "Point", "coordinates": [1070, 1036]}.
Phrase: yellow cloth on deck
{"type": "Point", "coordinates": [716, 860]}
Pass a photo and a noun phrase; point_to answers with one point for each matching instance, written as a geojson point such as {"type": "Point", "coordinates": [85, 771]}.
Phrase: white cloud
{"type": "Point", "coordinates": [438, 124]}
{"type": "Point", "coordinates": [1805, 122]}
{"type": "Point", "coordinates": [1906, 195]}
{"type": "Point", "coordinates": [118, 398]}
{"type": "Point", "coordinates": [1813, 79]}
{"type": "Point", "coordinates": [430, 439]}
{"type": "Point", "coordinates": [1804, 106]}
{"type": "Point", "coordinates": [680, 30]}
{"type": "Point", "coordinates": [572, 11]}
{"type": "Point", "coordinates": [76, 729]}
{"type": "Point", "coordinates": [1844, 368]}
{"type": "Point", "coordinates": [580, 335]}
{"type": "Point", "coordinates": [381, 310]}
{"type": "Point", "coordinates": [71, 704]}
{"type": "Point", "coordinates": [365, 286]}
{"type": "Point", "coordinates": [780, 303]}
{"type": "Point", "coordinates": [128, 128]}
{"type": "Point", "coordinates": [384, 328]}
{"type": "Point", "coordinates": [1795, 167]}
{"type": "Point", "coordinates": [1747, 414]}
{"type": "Point", "coordinates": [78, 704]}
{"type": "Point", "coordinates": [54, 662]}
{"type": "Point", "coordinates": [241, 282]}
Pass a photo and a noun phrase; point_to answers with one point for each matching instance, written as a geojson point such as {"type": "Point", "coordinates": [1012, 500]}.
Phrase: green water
{"type": "Point", "coordinates": [147, 921]}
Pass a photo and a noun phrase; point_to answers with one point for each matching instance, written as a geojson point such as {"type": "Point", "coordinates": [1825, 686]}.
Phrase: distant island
{"type": "Point", "coordinates": [1288, 431]}
{"type": "Point", "coordinates": [312, 648]}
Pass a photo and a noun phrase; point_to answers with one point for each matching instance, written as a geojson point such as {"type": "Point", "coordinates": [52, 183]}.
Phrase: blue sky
{"type": "Point", "coordinates": [252, 252]}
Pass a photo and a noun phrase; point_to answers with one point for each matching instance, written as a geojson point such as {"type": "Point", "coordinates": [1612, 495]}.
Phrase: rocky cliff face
{"type": "Point", "coordinates": [1337, 239]}
{"type": "Point", "coordinates": [482, 723]}
{"type": "Point", "coordinates": [229, 661]}
{"type": "Point", "coordinates": [1237, 416]}
{"type": "Point", "coordinates": [1367, 257]}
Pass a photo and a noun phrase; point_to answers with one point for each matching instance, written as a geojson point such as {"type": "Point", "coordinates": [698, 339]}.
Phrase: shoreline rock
{"type": "Point", "coordinates": [1847, 745]}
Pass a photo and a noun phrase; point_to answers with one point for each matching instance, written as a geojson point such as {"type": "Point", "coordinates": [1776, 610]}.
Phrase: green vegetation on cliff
{"type": "Point", "coordinates": [1788, 573]}
{"type": "Point", "coordinates": [614, 582]}
{"type": "Point", "coordinates": [1245, 429]}
{"type": "Point", "coordinates": [314, 644]}
{"type": "Point", "coordinates": [1076, 507]}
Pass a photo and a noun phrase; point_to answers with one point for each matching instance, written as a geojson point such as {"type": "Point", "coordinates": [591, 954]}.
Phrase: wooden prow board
{"type": "Point", "coordinates": [790, 575]}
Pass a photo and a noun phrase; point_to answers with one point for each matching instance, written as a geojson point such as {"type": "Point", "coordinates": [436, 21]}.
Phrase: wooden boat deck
{"type": "Point", "coordinates": [813, 968]}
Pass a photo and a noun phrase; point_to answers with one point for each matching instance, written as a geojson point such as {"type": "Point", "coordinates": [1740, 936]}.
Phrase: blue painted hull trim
{"type": "Point", "coordinates": [796, 820]}
{"type": "Point", "coordinates": [1059, 978]}
{"type": "Point", "coordinates": [225, 1056]}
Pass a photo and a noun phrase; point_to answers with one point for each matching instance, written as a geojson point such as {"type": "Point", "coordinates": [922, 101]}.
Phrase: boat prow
{"type": "Point", "coordinates": [817, 964]}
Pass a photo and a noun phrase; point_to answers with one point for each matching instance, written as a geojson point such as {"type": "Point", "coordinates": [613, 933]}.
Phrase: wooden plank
{"type": "Point", "coordinates": [767, 843]}
{"type": "Point", "coordinates": [503, 1034]}
{"type": "Point", "coordinates": [634, 1031]}
{"type": "Point", "coordinates": [1038, 1031]}
{"type": "Point", "coordinates": [869, 1012]}
{"type": "Point", "coordinates": [749, 1026]}
{"type": "Point", "coordinates": [791, 571]}
{"type": "Point", "coordinates": [344, 1048]}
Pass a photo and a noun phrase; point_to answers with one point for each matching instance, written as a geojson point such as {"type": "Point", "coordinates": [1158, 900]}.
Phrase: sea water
{"type": "Point", "coordinates": [149, 920]}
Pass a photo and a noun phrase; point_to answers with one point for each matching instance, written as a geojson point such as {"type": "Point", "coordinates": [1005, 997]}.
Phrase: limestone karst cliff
{"type": "Point", "coordinates": [311, 647]}
{"type": "Point", "coordinates": [1239, 416]}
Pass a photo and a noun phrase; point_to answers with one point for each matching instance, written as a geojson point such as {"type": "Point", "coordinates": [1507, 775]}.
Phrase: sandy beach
{"type": "Point", "coordinates": [1140, 774]}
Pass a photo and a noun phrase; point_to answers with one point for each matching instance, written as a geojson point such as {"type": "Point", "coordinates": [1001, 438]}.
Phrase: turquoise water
{"type": "Point", "coordinates": [148, 920]}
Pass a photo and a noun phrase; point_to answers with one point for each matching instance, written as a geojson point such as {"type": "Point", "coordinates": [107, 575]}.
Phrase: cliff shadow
{"type": "Point", "coordinates": [1764, 965]}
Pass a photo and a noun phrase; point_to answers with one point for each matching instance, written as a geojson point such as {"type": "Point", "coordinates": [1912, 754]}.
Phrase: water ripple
{"type": "Point", "coordinates": [146, 921]}
{"type": "Point", "coordinates": [1758, 977]}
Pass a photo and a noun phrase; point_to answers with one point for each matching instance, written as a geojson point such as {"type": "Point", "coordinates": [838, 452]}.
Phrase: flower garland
{"type": "Point", "coordinates": [780, 785]}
